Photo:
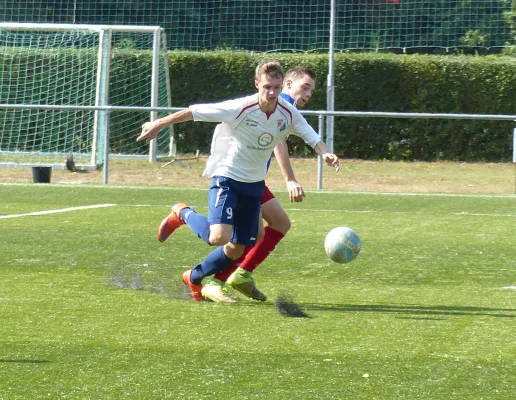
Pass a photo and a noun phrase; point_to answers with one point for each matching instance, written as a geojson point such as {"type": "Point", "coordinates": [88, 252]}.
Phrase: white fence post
{"type": "Point", "coordinates": [319, 158]}
{"type": "Point", "coordinates": [153, 145]}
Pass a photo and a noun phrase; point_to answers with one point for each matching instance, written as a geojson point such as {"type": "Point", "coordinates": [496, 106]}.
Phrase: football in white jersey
{"type": "Point", "coordinates": [244, 141]}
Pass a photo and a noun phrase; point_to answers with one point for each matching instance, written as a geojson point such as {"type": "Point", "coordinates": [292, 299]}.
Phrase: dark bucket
{"type": "Point", "coordinates": [41, 174]}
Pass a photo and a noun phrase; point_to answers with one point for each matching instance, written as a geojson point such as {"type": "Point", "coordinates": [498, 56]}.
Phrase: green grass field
{"type": "Point", "coordinates": [92, 307]}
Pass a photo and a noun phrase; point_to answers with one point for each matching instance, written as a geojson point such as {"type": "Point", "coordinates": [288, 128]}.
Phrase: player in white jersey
{"type": "Point", "coordinates": [253, 126]}
{"type": "Point", "coordinates": [298, 87]}
{"type": "Point", "coordinates": [240, 153]}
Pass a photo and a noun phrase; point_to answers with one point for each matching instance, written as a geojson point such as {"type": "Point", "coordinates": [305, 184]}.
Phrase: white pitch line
{"type": "Point", "coordinates": [468, 214]}
{"type": "Point", "coordinates": [483, 214]}
{"type": "Point", "coordinates": [61, 210]}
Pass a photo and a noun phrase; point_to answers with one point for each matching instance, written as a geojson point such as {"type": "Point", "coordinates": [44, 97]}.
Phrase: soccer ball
{"type": "Point", "coordinates": [342, 244]}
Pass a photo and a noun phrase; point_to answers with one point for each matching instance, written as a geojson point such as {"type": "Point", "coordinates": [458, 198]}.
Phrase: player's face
{"type": "Point", "coordinates": [300, 89]}
{"type": "Point", "coordinates": [269, 89]}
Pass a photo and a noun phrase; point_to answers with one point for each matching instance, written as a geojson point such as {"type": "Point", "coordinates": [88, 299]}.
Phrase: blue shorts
{"type": "Point", "coordinates": [238, 204]}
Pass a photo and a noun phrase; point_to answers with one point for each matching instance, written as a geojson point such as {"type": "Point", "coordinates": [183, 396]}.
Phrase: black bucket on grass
{"type": "Point", "coordinates": [41, 174]}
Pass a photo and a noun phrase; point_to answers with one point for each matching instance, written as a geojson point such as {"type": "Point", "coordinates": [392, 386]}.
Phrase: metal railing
{"type": "Point", "coordinates": [320, 114]}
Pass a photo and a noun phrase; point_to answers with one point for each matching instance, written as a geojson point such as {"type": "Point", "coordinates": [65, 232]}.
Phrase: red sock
{"type": "Point", "coordinates": [224, 274]}
{"type": "Point", "coordinates": [262, 249]}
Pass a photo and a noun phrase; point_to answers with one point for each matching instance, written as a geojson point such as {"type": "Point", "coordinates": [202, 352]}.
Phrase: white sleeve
{"type": "Point", "coordinates": [226, 111]}
{"type": "Point", "coordinates": [302, 129]}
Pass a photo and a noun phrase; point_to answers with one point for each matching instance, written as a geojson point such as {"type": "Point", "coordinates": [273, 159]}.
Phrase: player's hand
{"type": "Point", "coordinates": [332, 160]}
{"type": "Point", "coordinates": [295, 191]}
{"type": "Point", "coordinates": [149, 131]}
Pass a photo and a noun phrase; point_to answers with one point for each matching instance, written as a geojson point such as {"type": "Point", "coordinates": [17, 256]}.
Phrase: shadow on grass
{"type": "Point", "coordinates": [173, 289]}
{"type": "Point", "coordinates": [418, 312]}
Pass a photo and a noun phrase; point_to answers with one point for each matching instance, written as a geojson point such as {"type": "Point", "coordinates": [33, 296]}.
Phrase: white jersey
{"type": "Point", "coordinates": [242, 145]}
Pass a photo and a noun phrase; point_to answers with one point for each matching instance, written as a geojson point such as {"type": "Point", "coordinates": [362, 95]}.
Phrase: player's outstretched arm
{"type": "Point", "coordinates": [150, 130]}
{"type": "Point", "coordinates": [330, 159]}
{"type": "Point", "coordinates": [305, 131]}
{"type": "Point", "coordinates": [295, 191]}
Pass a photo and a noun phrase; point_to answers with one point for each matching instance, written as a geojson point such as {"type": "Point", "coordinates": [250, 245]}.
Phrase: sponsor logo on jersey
{"type": "Point", "coordinates": [265, 139]}
{"type": "Point", "coordinates": [265, 142]}
{"type": "Point", "coordinates": [251, 122]}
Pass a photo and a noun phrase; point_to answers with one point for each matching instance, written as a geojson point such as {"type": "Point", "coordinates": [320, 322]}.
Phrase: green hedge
{"type": "Point", "coordinates": [373, 82]}
{"type": "Point", "coordinates": [364, 82]}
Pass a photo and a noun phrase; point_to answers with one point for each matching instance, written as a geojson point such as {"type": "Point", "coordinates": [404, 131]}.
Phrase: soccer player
{"type": "Point", "coordinates": [242, 145]}
{"type": "Point", "coordinates": [298, 87]}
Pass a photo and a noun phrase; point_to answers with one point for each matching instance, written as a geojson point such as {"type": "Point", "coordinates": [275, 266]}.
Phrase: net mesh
{"type": "Point", "coordinates": [60, 68]}
{"type": "Point", "coordinates": [130, 85]}
{"type": "Point", "coordinates": [46, 68]}
{"type": "Point", "coordinates": [292, 24]}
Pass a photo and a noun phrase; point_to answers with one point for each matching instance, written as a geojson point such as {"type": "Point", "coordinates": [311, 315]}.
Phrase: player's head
{"type": "Point", "coordinates": [299, 83]}
{"type": "Point", "coordinates": [268, 80]}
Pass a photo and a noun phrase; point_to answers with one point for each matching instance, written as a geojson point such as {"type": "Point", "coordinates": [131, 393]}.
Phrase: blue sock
{"type": "Point", "coordinates": [198, 223]}
{"type": "Point", "coordinates": [215, 262]}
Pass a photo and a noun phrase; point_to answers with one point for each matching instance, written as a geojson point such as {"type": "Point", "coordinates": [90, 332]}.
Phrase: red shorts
{"type": "Point", "coordinates": [267, 195]}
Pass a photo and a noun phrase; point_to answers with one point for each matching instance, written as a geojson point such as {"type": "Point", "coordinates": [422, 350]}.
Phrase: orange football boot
{"type": "Point", "coordinates": [172, 222]}
{"type": "Point", "coordinates": [195, 290]}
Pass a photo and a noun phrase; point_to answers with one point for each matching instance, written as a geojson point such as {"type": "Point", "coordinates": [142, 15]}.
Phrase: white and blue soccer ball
{"type": "Point", "coordinates": [342, 244]}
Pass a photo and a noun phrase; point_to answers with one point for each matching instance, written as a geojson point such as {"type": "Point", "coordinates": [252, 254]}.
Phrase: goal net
{"type": "Point", "coordinates": [49, 71]}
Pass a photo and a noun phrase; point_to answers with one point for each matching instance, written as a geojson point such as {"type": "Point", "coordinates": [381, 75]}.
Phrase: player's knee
{"type": "Point", "coordinates": [218, 239]}
{"type": "Point", "coordinates": [287, 224]}
{"type": "Point", "coordinates": [219, 235]}
{"type": "Point", "coordinates": [276, 217]}
{"type": "Point", "coordinates": [282, 224]}
{"type": "Point", "coordinates": [234, 250]}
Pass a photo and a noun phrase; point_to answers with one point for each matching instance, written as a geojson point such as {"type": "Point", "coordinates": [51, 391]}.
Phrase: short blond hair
{"type": "Point", "coordinates": [271, 68]}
